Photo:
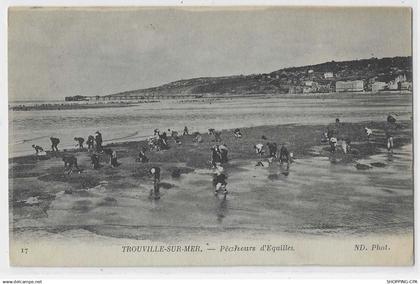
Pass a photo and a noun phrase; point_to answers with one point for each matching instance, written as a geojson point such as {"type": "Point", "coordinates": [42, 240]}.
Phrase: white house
{"type": "Point", "coordinates": [328, 75]}
{"type": "Point", "coordinates": [349, 86]}
{"type": "Point", "coordinates": [378, 86]}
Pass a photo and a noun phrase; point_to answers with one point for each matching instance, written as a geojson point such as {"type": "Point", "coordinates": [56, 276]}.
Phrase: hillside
{"type": "Point", "coordinates": [312, 78]}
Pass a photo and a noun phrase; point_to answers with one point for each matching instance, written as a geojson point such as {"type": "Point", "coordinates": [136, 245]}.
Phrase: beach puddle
{"type": "Point", "coordinates": [312, 196]}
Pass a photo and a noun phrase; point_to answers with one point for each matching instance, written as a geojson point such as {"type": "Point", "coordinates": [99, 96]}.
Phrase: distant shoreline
{"type": "Point", "coordinates": [128, 103]}
{"type": "Point", "coordinates": [67, 106]}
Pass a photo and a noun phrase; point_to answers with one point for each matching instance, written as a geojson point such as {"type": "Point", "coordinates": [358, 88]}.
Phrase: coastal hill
{"type": "Point", "coordinates": [289, 80]}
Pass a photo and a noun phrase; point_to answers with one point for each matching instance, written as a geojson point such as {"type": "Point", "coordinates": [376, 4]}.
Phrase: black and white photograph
{"type": "Point", "coordinates": [254, 135]}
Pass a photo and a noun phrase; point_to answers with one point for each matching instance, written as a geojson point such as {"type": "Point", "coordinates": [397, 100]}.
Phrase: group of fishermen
{"type": "Point", "coordinates": [94, 145]}
{"type": "Point", "coordinates": [219, 152]}
{"type": "Point", "coordinates": [331, 136]}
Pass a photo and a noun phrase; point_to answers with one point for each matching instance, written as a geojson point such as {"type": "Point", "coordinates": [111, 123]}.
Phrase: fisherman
{"type": "Point", "coordinates": [177, 140]}
{"type": "Point", "coordinates": [38, 149]}
{"type": "Point", "coordinates": [185, 131]}
{"type": "Point", "coordinates": [259, 149]}
{"type": "Point", "coordinates": [80, 142]}
{"type": "Point", "coordinates": [164, 139]}
{"type": "Point", "coordinates": [346, 145]}
{"type": "Point", "coordinates": [219, 181]}
{"type": "Point", "coordinates": [95, 161]}
{"type": "Point", "coordinates": [54, 143]}
{"type": "Point", "coordinates": [108, 151]}
{"type": "Point", "coordinates": [216, 157]}
{"type": "Point", "coordinates": [324, 137]}
{"type": "Point", "coordinates": [368, 132]}
{"type": "Point", "coordinates": [142, 156]}
{"type": "Point", "coordinates": [114, 162]}
{"type": "Point", "coordinates": [237, 133]}
{"type": "Point", "coordinates": [69, 163]}
{"type": "Point", "coordinates": [284, 155]}
{"type": "Point", "coordinates": [333, 144]}
{"type": "Point", "coordinates": [391, 118]}
{"type": "Point", "coordinates": [155, 171]}
{"type": "Point", "coordinates": [217, 136]}
{"type": "Point", "coordinates": [223, 153]}
{"type": "Point", "coordinates": [272, 148]}
{"type": "Point", "coordinates": [389, 134]}
{"type": "Point", "coordinates": [156, 132]}
{"type": "Point", "coordinates": [98, 140]}
{"type": "Point", "coordinates": [175, 136]}
{"type": "Point", "coordinates": [90, 141]}
{"type": "Point", "coordinates": [197, 137]}
{"type": "Point", "coordinates": [161, 145]}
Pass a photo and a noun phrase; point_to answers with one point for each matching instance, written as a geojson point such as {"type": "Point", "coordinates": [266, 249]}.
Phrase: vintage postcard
{"type": "Point", "coordinates": [210, 136]}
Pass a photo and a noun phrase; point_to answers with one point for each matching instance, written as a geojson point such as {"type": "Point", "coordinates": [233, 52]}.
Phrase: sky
{"type": "Point", "coordinates": [60, 52]}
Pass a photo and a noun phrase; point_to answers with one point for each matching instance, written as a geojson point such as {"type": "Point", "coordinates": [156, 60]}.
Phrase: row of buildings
{"type": "Point", "coordinates": [375, 84]}
{"type": "Point", "coordinates": [293, 81]}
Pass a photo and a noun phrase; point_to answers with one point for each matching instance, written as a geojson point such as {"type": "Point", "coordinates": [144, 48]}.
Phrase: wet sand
{"type": "Point", "coordinates": [320, 194]}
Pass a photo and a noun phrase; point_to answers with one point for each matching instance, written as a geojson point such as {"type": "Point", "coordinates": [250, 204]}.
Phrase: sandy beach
{"type": "Point", "coordinates": [321, 194]}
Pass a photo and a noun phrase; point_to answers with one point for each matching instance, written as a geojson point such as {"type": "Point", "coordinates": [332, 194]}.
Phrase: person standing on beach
{"type": "Point", "coordinates": [285, 155]}
{"type": "Point", "coordinates": [108, 151]}
{"type": "Point", "coordinates": [98, 140]}
{"type": "Point", "coordinates": [223, 153]}
{"type": "Point", "coordinates": [333, 144]}
{"type": "Point", "coordinates": [217, 136]}
{"type": "Point", "coordinates": [185, 131]}
{"type": "Point", "coordinates": [114, 162]}
{"type": "Point", "coordinates": [272, 149]}
{"type": "Point", "coordinates": [95, 161]}
{"type": "Point", "coordinates": [54, 143]}
{"type": "Point", "coordinates": [390, 127]}
{"type": "Point", "coordinates": [80, 141]}
{"type": "Point", "coordinates": [216, 158]}
{"type": "Point", "coordinates": [163, 138]}
{"type": "Point", "coordinates": [90, 141]}
{"type": "Point", "coordinates": [155, 171]}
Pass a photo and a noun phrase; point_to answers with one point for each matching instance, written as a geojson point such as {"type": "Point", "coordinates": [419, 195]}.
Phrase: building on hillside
{"type": "Point", "coordinates": [379, 86]}
{"type": "Point", "coordinates": [310, 71]}
{"type": "Point", "coordinates": [307, 89]}
{"type": "Point", "coordinates": [349, 86]}
{"type": "Point", "coordinates": [76, 98]}
{"type": "Point", "coordinates": [328, 75]}
{"type": "Point", "coordinates": [310, 87]}
{"type": "Point", "coordinates": [324, 88]}
{"type": "Point", "coordinates": [406, 86]}
{"type": "Point", "coordinates": [295, 90]}
{"type": "Point", "coordinates": [394, 84]}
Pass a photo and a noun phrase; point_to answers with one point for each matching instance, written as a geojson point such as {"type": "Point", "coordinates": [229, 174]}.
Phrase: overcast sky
{"type": "Point", "coordinates": [55, 53]}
